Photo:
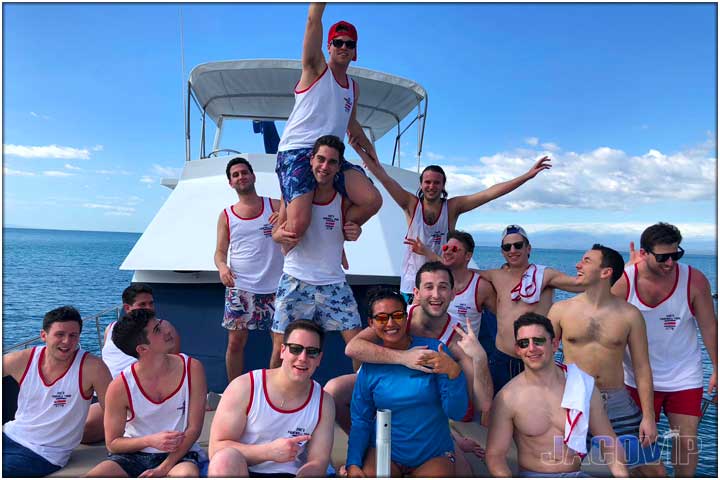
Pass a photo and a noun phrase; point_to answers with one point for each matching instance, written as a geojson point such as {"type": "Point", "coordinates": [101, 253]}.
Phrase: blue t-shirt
{"type": "Point", "coordinates": [421, 404]}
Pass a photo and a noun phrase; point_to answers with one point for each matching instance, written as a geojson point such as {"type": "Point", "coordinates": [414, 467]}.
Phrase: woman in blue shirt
{"type": "Point", "coordinates": [421, 403]}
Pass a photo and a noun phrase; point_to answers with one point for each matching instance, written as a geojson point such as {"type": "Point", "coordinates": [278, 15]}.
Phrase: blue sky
{"type": "Point", "coordinates": [621, 96]}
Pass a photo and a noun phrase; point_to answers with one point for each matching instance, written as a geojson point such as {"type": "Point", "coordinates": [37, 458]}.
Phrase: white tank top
{"type": "Point", "coordinates": [317, 259]}
{"type": "Point", "coordinates": [448, 329]}
{"type": "Point", "coordinates": [673, 342]}
{"type": "Point", "coordinates": [465, 306]}
{"type": "Point", "coordinates": [267, 422]}
{"type": "Point", "coordinates": [323, 108]}
{"type": "Point", "coordinates": [254, 257]}
{"type": "Point", "coordinates": [50, 419]}
{"type": "Point", "coordinates": [114, 358]}
{"type": "Point", "coordinates": [434, 236]}
{"type": "Point", "coordinates": [147, 417]}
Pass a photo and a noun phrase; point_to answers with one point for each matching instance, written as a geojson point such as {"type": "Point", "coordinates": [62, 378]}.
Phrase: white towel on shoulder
{"type": "Point", "coordinates": [530, 286]}
{"type": "Point", "coordinates": [576, 400]}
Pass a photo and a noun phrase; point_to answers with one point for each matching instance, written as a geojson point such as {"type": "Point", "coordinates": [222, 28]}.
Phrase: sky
{"type": "Point", "coordinates": [622, 97]}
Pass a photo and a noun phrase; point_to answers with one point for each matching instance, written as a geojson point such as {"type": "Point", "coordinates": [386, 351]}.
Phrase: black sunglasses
{"type": "Point", "coordinates": [337, 43]}
{"type": "Point", "coordinates": [385, 317]}
{"type": "Point", "coordinates": [525, 342]}
{"type": "Point", "coordinates": [507, 246]}
{"type": "Point", "coordinates": [662, 257]}
{"type": "Point", "coordinates": [297, 349]}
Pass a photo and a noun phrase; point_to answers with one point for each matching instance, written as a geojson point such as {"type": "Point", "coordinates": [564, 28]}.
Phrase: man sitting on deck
{"type": "Point", "coordinates": [156, 406]}
{"type": "Point", "coordinates": [278, 422]}
{"type": "Point", "coordinates": [57, 382]}
{"type": "Point", "coordinates": [529, 410]}
{"type": "Point", "coordinates": [313, 284]}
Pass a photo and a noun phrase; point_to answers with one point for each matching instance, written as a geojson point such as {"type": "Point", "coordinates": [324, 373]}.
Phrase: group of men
{"type": "Point", "coordinates": [638, 319]}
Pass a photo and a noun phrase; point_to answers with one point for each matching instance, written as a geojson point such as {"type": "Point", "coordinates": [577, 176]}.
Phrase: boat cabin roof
{"type": "Point", "coordinates": [263, 90]}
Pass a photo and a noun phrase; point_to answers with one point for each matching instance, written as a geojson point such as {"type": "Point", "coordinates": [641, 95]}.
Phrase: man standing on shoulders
{"type": "Point", "coordinates": [436, 214]}
{"type": "Point", "coordinates": [325, 104]}
{"type": "Point", "coordinates": [313, 284]}
{"type": "Point", "coordinates": [522, 287]}
{"type": "Point", "coordinates": [156, 406]}
{"type": "Point", "coordinates": [529, 409]}
{"type": "Point", "coordinates": [253, 269]}
{"type": "Point", "coordinates": [57, 382]}
{"type": "Point", "coordinates": [675, 301]}
{"type": "Point", "coordinates": [279, 422]}
{"type": "Point", "coordinates": [595, 328]}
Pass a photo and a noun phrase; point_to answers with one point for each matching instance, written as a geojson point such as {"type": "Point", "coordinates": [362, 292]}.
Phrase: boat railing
{"type": "Point", "coordinates": [98, 329]}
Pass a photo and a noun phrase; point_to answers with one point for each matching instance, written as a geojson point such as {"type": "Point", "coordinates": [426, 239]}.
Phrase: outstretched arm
{"type": "Point", "coordinates": [313, 60]}
{"type": "Point", "coordinates": [465, 203]}
{"type": "Point", "coordinates": [362, 348]}
{"type": "Point", "coordinates": [556, 279]}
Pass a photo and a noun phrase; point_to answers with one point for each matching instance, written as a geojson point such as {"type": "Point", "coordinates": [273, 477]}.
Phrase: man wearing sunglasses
{"type": "Point", "coordinates": [521, 288]}
{"type": "Point", "coordinates": [278, 422]}
{"type": "Point", "coordinates": [529, 410]}
{"type": "Point", "coordinates": [596, 329]}
{"type": "Point", "coordinates": [675, 301]}
{"type": "Point", "coordinates": [325, 104]}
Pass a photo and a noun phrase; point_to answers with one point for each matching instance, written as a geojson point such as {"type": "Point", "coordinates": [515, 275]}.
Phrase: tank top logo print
{"type": "Point", "coordinates": [670, 321]}
{"type": "Point", "coordinates": [267, 230]}
{"type": "Point", "coordinates": [348, 104]}
{"type": "Point", "coordinates": [297, 432]}
{"type": "Point", "coordinates": [60, 399]}
{"type": "Point", "coordinates": [462, 309]}
{"type": "Point", "coordinates": [436, 238]}
{"type": "Point", "coordinates": [330, 221]}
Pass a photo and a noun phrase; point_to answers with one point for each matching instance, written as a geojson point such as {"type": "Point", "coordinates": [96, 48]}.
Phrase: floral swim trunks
{"type": "Point", "coordinates": [248, 311]}
{"type": "Point", "coordinates": [296, 178]}
{"type": "Point", "coordinates": [332, 307]}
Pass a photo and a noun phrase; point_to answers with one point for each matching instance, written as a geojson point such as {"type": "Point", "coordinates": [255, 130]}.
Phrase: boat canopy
{"type": "Point", "coordinates": [263, 90]}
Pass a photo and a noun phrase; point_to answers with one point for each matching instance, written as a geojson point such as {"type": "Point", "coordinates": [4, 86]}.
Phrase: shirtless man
{"type": "Point", "coordinates": [57, 382]}
{"type": "Point", "coordinates": [521, 288]}
{"type": "Point", "coordinates": [438, 214]}
{"type": "Point", "coordinates": [325, 104]}
{"type": "Point", "coordinates": [276, 422]}
{"type": "Point", "coordinates": [675, 301]}
{"type": "Point", "coordinates": [156, 406]}
{"type": "Point", "coordinates": [528, 410]}
{"type": "Point", "coordinates": [595, 328]}
{"type": "Point", "coordinates": [252, 270]}
{"type": "Point", "coordinates": [137, 295]}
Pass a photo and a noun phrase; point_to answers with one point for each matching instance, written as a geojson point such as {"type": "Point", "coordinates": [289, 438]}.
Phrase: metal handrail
{"type": "Point", "coordinates": [95, 317]}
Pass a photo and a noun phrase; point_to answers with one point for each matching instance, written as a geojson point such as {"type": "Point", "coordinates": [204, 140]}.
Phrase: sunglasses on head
{"type": "Point", "coordinates": [525, 342]}
{"type": "Point", "coordinates": [337, 43]}
{"type": "Point", "coordinates": [453, 248]}
{"type": "Point", "coordinates": [507, 246]}
{"type": "Point", "coordinates": [385, 317]}
{"type": "Point", "coordinates": [297, 349]}
{"type": "Point", "coordinates": [662, 257]}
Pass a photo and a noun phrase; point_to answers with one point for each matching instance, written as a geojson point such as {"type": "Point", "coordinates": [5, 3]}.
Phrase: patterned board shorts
{"type": "Point", "coordinates": [332, 307]}
{"type": "Point", "coordinates": [248, 311]}
{"type": "Point", "coordinates": [296, 178]}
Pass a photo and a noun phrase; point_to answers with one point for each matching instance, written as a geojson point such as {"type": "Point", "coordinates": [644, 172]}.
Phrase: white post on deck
{"type": "Point", "coordinates": [382, 442]}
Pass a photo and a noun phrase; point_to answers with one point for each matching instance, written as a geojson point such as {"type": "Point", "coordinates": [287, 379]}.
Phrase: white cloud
{"type": "Point", "coordinates": [697, 231]}
{"type": "Point", "coordinates": [166, 171]}
{"type": "Point", "coordinates": [56, 173]}
{"type": "Point", "coordinates": [112, 209]}
{"type": "Point", "coordinates": [147, 179]}
{"type": "Point", "coordinates": [48, 151]}
{"type": "Point", "coordinates": [533, 141]}
{"type": "Point", "coordinates": [17, 173]}
{"type": "Point", "coordinates": [433, 157]}
{"type": "Point", "coordinates": [113, 172]}
{"type": "Point", "coordinates": [72, 167]}
{"type": "Point", "coordinates": [37, 115]}
{"type": "Point", "coordinates": [550, 146]}
{"type": "Point", "coordinates": [97, 148]}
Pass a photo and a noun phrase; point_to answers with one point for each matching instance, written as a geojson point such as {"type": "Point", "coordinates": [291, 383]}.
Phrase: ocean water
{"type": "Point", "coordinates": [43, 269]}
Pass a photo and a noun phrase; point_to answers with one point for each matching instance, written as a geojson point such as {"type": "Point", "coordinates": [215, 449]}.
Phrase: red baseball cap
{"type": "Point", "coordinates": [343, 29]}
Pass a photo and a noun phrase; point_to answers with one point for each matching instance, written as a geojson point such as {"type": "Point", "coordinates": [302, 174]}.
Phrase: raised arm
{"type": "Point", "coordinates": [704, 310]}
{"type": "Point", "coordinates": [363, 349]}
{"type": "Point", "coordinates": [500, 435]}
{"type": "Point", "coordinates": [612, 450]}
{"type": "Point", "coordinates": [405, 200]}
{"type": "Point", "coordinates": [320, 446]}
{"type": "Point", "coordinates": [465, 203]}
{"type": "Point", "coordinates": [313, 60]}
{"type": "Point", "coordinates": [453, 386]}
{"type": "Point", "coordinates": [221, 251]}
{"type": "Point", "coordinates": [482, 385]}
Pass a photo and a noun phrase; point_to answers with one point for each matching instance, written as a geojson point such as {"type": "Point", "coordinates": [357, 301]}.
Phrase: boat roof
{"type": "Point", "coordinates": [262, 89]}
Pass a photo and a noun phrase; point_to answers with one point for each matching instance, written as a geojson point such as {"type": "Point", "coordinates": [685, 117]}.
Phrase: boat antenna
{"type": "Point", "coordinates": [182, 90]}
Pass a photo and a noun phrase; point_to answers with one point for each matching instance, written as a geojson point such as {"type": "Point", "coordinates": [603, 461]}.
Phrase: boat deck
{"type": "Point", "coordinates": [85, 457]}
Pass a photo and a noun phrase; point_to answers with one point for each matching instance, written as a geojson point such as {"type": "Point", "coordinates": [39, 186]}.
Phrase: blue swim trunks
{"type": "Point", "coordinates": [332, 307]}
{"type": "Point", "coordinates": [296, 178]}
